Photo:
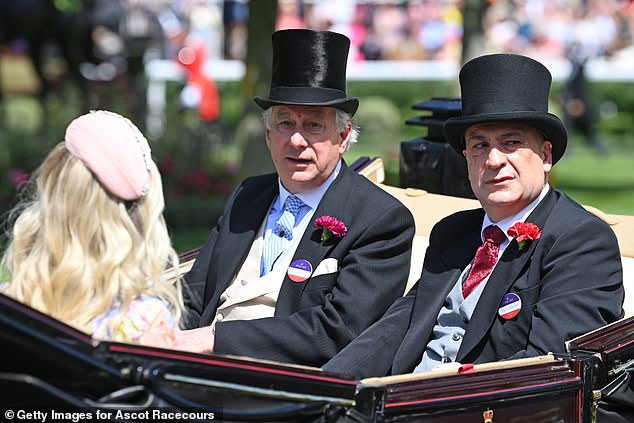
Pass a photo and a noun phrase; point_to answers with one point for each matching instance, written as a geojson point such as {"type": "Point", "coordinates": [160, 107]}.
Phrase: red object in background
{"type": "Point", "coordinates": [193, 57]}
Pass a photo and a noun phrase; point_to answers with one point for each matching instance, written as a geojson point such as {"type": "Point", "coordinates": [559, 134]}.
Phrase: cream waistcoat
{"type": "Point", "coordinates": [251, 296]}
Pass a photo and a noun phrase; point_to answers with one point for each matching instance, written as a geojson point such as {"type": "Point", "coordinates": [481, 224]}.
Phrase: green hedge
{"type": "Point", "coordinates": [384, 108]}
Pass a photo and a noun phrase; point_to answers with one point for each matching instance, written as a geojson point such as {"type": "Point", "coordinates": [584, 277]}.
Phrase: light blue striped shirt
{"type": "Point", "coordinates": [311, 200]}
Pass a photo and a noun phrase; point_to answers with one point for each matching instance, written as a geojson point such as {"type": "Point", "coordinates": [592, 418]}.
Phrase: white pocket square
{"type": "Point", "coordinates": [330, 265]}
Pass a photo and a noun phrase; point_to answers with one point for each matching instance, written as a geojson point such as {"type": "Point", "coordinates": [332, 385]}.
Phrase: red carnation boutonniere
{"type": "Point", "coordinates": [330, 226]}
{"type": "Point", "coordinates": [524, 233]}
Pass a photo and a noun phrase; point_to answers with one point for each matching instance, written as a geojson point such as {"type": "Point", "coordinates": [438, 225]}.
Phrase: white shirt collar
{"type": "Point", "coordinates": [521, 216]}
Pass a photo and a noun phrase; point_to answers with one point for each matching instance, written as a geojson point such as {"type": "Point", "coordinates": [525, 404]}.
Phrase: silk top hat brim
{"type": "Point", "coordinates": [506, 88]}
{"type": "Point", "coordinates": [309, 69]}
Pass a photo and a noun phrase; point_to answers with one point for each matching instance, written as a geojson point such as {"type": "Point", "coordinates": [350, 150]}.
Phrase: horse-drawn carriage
{"type": "Point", "coordinates": [48, 367]}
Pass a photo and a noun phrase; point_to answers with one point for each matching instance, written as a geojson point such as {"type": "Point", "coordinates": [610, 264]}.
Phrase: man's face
{"type": "Point", "coordinates": [305, 145]}
{"type": "Point", "coordinates": [508, 164]}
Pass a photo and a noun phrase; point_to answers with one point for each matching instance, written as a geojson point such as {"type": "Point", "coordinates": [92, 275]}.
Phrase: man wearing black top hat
{"type": "Point", "coordinates": [556, 269]}
{"type": "Point", "coordinates": [304, 259]}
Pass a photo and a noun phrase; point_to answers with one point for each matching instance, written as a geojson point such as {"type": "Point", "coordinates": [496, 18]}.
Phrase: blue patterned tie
{"type": "Point", "coordinates": [282, 232]}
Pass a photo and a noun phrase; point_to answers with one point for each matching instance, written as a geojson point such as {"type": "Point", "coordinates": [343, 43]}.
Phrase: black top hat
{"type": "Point", "coordinates": [309, 69]}
{"type": "Point", "coordinates": [506, 87]}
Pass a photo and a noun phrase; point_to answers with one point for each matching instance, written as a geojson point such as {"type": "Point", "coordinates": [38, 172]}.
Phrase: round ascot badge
{"type": "Point", "coordinates": [510, 306]}
{"type": "Point", "coordinates": [300, 270]}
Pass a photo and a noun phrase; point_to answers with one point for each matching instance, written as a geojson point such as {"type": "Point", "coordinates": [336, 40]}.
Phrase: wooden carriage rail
{"type": "Point", "coordinates": [498, 365]}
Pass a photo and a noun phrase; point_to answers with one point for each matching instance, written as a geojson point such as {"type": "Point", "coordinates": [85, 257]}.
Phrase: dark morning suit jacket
{"type": "Point", "coordinates": [313, 320]}
{"type": "Point", "coordinates": [569, 281]}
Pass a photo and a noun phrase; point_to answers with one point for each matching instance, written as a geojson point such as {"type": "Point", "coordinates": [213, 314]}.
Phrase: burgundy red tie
{"type": "Point", "coordinates": [485, 258]}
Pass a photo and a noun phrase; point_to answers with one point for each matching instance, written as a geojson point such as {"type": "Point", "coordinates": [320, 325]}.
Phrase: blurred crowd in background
{"type": "Point", "coordinates": [381, 29]}
{"type": "Point", "coordinates": [116, 37]}
{"type": "Point", "coordinates": [552, 29]}
{"type": "Point", "coordinates": [410, 30]}
{"type": "Point", "coordinates": [425, 29]}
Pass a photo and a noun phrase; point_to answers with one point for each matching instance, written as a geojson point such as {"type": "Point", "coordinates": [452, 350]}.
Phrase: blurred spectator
{"type": "Point", "coordinates": [390, 24]}
{"type": "Point", "coordinates": [593, 33]}
{"type": "Point", "coordinates": [579, 112]}
{"type": "Point", "coordinates": [235, 18]}
{"type": "Point", "coordinates": [437, 28]}
{"type": "Point", "coordinates": [201, 91]}
{"type": "Point", "coordinates": [289, 15]}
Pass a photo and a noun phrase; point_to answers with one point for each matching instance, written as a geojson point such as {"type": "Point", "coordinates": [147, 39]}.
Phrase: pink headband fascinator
{"type": "Point", "coordinates": [114, 150]}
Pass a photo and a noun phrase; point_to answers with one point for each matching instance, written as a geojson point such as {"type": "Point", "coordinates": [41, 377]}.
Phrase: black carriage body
{"type": "Point", "coordinates": [48, 365]}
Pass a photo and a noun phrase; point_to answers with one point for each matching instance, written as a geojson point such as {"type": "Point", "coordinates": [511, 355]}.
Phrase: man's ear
{"type": "Point", "coordinates": [345, 138]}
{"type": "Point", "coordinates": [547, 155]}
{"type": "Point", "coordinates": [267, 137]}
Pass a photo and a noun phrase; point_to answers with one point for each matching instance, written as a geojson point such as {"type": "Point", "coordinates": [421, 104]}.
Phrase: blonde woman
{"type": "Point", "coordinates": [89, 245]}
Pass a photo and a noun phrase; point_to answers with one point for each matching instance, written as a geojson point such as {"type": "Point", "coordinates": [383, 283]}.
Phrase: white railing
{"type": "Point", "coordinates": [159, 72]}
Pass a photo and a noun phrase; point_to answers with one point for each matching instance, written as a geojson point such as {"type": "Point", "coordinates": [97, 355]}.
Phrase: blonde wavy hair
{"type": "Point", "coordinates": [75, 250]}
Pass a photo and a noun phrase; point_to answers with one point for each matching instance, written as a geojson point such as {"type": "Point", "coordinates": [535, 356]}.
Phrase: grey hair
{"type": "Point", "coordinates": [342, 119]}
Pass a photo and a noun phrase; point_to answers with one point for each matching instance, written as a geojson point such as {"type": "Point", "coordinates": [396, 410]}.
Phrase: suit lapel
{"type": "Point", "coordinates": [310, 247]}
{"type": "Point", "coordinates": [440, 274]}
{"type": "Point", "coordinates": [502, 280]}
{"type": "Point", "coordinates": [246, 217]}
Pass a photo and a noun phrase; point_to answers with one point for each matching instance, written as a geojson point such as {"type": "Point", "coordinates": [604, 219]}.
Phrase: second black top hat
{"type": "Point", "coordinates": [506, 87]}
